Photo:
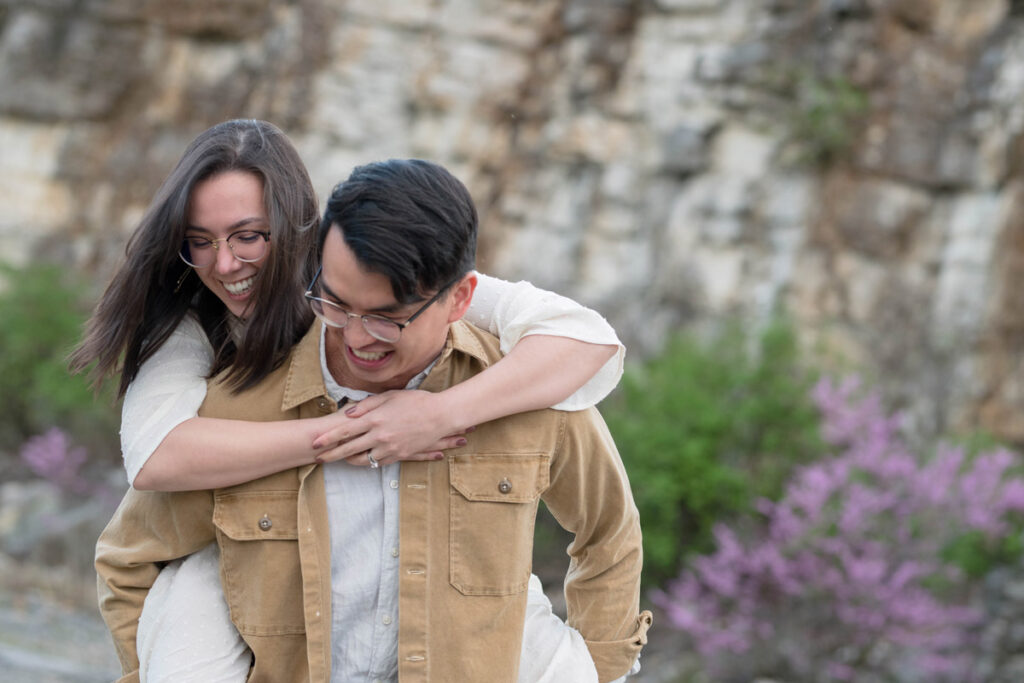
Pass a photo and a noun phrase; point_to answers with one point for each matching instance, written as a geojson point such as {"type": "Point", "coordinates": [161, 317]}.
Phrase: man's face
{"type": "Point", "coordinates": [358, 360]}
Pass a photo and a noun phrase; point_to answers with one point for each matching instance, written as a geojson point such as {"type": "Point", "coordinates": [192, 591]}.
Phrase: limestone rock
{"type": "Point", "coordinates": [635, 155]}
{"type": "Point", "coordinates": [65, 67]}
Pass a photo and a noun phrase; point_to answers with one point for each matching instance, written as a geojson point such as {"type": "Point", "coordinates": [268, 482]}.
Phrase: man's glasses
{"type": "Point", "coordinates": [246, 245]}
{"type": "Point", "coordinates": [378, 327]}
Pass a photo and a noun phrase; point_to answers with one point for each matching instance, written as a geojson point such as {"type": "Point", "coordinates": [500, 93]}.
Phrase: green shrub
{"type": "Point", "coordinates": [42, 308]}
{"type": "Point", "coordinates": [706, 429]}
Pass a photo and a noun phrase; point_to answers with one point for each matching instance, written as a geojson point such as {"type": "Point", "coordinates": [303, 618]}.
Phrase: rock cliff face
{"type": "Point", "coordinates": [855, 162]}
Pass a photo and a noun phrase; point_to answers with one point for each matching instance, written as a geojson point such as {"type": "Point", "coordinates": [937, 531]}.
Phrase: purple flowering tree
{"type": "Point", "coordinates": [846, 578]}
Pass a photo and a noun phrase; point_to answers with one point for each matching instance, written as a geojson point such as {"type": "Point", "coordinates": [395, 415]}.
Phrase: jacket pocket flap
{"type": "Point", "coordinates": [257, 515]}
{"type": "Point", "coordinates": [500, 477]}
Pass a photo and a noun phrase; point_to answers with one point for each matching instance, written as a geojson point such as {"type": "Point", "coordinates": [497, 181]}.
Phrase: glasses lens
{"type": "Point", "coordinates": [331, 315]}
{"type": "Point", "coordinates": [197, 252]}
{"type": "Point", "coordinates": [383, 329]}
{"type": "Point", "coordinates": [248, 245]}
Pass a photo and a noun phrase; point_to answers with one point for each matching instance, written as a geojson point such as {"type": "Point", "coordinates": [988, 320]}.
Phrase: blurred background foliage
{"type": "Point", "coordinates": [43, 307]}
{"type": "Point", "coordinates": [708, 427]}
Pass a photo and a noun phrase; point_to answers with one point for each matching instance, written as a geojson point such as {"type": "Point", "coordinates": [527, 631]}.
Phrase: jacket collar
{"type": "Point", "coordinates": [305, 381]}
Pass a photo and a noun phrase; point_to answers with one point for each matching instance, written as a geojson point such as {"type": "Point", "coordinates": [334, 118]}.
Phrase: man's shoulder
{"type": "Point", "coordinates": [470, 340]}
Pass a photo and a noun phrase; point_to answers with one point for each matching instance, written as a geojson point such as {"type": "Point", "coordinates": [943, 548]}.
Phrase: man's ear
{"type": "Point", "coordinates": [461, 295]}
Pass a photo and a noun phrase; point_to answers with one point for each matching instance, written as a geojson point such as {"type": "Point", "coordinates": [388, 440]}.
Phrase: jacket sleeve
{"type": "Point", "coordinates": [148, 529]}
{"type": "Point", "coordinates": [590, 496]}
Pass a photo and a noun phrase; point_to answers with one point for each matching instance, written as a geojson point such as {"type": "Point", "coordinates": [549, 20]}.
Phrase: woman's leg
{"type": "Point", "coordinates": [553, 651]}
{"type": "Point", "coordinates": [185, 632]}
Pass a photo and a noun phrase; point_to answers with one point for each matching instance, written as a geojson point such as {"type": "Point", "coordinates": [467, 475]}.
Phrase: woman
{"type": "Point", "coordinates": [239, 314]}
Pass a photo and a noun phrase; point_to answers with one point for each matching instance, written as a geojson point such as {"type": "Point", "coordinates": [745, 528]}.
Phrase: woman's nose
{"type": "Point", "coordinates": [226, 261]}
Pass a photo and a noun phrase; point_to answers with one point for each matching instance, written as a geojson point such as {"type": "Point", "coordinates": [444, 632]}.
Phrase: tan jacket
{"type": "Point", "coordinates": [466, 530]}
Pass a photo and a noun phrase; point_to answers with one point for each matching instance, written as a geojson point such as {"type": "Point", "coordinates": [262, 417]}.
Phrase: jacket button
{"type": "Point", "coordinates": [265, 523]}
{"type": "Point", "coordinates": [505, 485]}
{"type": "Point", "coordinates": [323, 404]}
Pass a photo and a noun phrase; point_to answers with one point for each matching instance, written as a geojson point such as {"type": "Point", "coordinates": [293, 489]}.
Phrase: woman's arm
{"type": "Point", "coordinates": [166, 447]}
{"type": "Point", "coordinates": [559, 354]}
{"type": "Point", "coordinates": [208, 453]}
{"type": "Point", "coordinates": [515, 311]}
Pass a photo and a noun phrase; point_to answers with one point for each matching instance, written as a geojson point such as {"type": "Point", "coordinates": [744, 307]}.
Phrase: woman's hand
{"type": "Point", "coordinates": [396, 425]}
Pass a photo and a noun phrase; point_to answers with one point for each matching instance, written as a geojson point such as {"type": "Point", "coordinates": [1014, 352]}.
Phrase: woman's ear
{"type": "Point", "coordinates": [461, 295]}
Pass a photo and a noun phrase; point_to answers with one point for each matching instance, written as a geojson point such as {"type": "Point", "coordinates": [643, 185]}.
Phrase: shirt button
{"type": "Point", "coordinates": [386, 620]}
{"type": "Point", "coordinates": [394, 552]}
{"type": "Point", "coordinates": [505, 485]}
{"type": "Point", "coordinates": [394, 483]}
{"type": "Point", "coordinates": [265, 523]}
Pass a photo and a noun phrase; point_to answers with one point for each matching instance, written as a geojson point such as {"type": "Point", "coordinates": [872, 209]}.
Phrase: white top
{"type": "Point", "coordinates": [171, 384]}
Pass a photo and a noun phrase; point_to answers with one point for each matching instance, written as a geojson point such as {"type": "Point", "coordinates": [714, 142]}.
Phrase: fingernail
{"type": "Point", "coordinates": [350, 410]}
{"type": "Point", "coordinates": [471, 429]}
{"type": "Point", "coordinates": [318, 460]}
{"type": "Point", "coordinates": [461, 442]}
{"type": "Point", "coordinates": [438, 456]}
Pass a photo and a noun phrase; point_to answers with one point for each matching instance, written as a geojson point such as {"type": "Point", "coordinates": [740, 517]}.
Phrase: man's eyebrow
{"type": "Point", "coordinates": [231, 228]}
{"type": "Point", "coordinates": [392, 308]}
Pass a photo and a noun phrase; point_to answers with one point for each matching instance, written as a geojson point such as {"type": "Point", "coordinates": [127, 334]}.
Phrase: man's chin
{"type": "Point", "coordinates": [374, 381]}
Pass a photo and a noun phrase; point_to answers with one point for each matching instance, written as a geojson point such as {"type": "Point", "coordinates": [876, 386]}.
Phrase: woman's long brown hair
{"type": "Point", "coordinates": [143, 303]}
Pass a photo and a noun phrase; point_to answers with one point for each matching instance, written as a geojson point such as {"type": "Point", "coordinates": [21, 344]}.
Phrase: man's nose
{"type": "Point", "coordinates": [355, 332]}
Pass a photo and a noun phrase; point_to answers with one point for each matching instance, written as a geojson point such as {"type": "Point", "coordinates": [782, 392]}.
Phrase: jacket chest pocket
{"type": "Point", "coordinates": [258, 536]}
{"type": "Point", "coordinates": [493, 506]}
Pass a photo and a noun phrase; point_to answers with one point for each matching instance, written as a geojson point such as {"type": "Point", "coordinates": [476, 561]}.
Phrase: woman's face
{"type": "Point", "coordinates": [221, 206]}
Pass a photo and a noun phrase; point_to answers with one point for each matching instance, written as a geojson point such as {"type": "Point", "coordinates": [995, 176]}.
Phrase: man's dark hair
{"type": "Point", "coordinates": [407, 219]}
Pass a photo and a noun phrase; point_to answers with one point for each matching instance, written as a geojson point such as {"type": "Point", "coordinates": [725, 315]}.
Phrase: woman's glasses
{"type": "Point", "coordinates": [246, 245]}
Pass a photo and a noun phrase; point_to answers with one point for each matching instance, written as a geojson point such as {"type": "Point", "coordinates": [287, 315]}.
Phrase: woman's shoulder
{"type": "Point", "coordinates": [190, 328]}
{"type": "Point", "coordinates": [186, 349]}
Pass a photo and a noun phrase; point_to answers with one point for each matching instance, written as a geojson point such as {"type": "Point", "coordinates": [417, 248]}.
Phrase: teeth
{"type": "Point", "coordinates": [369, 355]}
{"type": "Point", "coordinates": [240, 287]}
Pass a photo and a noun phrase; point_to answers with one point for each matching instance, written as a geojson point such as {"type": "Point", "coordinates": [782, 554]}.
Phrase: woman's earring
{"type": "Point", "coordinates": [182, 280]}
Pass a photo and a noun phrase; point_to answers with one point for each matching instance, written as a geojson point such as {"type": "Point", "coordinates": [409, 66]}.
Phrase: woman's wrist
{"type": "Point", "coordinates": [461, 406]}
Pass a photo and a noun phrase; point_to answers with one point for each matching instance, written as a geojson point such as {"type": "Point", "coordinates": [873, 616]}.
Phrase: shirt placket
{"type": "Point", "coordinates": [413, 576]}
{"type": "Point", "coordinates": [383, 663]}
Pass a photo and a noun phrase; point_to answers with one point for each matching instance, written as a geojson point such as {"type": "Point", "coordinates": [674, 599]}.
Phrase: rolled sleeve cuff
{"type": "Point", "coordinates": [614, 659]}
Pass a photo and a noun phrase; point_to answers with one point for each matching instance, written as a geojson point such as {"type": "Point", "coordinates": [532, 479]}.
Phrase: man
{"type": "Point", "coordinates": [307, 554]}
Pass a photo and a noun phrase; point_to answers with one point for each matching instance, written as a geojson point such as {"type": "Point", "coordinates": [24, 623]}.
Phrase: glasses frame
{"type": "Point", "coordinates": [226, 240]}
{"type": "Point", "coordinates": [313, 299]}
